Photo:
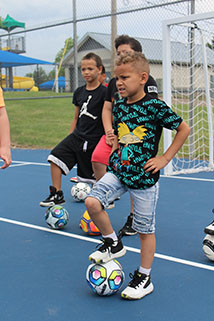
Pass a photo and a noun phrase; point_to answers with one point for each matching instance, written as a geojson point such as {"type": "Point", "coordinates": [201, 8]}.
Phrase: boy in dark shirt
{"type": "Point", "coordinates": [101, 153]}
{"type": "Point", "coordinates": [86, 130]}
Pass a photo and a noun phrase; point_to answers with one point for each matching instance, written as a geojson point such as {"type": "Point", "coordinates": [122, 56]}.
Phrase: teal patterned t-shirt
{"type": "Point", "coordinates": [139, 127]}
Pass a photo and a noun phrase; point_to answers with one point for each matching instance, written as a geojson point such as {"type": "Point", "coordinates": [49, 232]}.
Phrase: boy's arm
{"type": "Point", "coordinates": [5, 152]}
{"type": "Point", "coordinates": [115, 144]}
{"type": "Point", "coordinates": [74, 121]}
{"type": "Point", "coordinates": [107, 122]}
{"type": "Point", "coordinates": [158, 162]}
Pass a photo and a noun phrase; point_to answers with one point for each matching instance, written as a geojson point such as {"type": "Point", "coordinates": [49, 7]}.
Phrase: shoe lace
{"type": "Point", "coordinates": [107, 243]}
{"type": "Point", "coordinates": [137, 278]}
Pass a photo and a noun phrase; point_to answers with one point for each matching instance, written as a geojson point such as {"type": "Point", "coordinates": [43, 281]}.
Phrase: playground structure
{"type": "Point", "coordinates": [10, 57]}
{"type": "Point", "coordinates": [20, 83]}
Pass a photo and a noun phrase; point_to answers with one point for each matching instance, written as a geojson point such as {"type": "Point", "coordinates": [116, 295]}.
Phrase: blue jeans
{"type": "Point", "coordinates": [108, 188]}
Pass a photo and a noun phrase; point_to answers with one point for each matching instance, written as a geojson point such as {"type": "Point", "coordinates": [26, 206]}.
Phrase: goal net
{"type": "Point", "coordinates": [188, 87]}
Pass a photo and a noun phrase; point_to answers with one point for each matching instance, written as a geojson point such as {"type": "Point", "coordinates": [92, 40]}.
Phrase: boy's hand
{"type": "Point", "coordinates": [110, 137]}
{"type": "Point", "coordinates": [155, 164]}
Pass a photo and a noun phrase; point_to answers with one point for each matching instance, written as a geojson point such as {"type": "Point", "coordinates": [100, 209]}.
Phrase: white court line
{"type": "Point", "coordinates": [17, 165]}
{"type": "Point", "coordinates": [84, 238]}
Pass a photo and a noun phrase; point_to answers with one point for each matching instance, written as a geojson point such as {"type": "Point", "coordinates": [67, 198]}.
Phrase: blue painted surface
{"type": "Point", "coordinates": [43, 274]}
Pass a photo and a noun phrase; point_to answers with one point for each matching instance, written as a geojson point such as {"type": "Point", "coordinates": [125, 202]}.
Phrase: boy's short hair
{"type": "Point", "coordinates": [136, 59]}
{"type": "Point", "coordinates": [96, 58]}
{"type": "Point", "coordinates": [103, 71]}
{"type": "Point", "coordinates": [126, 40]}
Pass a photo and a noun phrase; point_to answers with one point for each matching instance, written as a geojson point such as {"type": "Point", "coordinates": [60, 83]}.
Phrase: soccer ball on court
{"type": "Point", "coordinates": [56, 217]}
{"type": "Point", "coordinates": [79, 191]}
{"type": "Point", "coordinates": [208, 246]}
{"type": "Point", "coordinates": [105, 279]}
{"type": "Point", "coordinates": [88, 225]}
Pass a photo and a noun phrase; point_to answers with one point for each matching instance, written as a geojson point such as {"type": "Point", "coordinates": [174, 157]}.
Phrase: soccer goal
{"type": "Point", "coordinates": [188, 87]}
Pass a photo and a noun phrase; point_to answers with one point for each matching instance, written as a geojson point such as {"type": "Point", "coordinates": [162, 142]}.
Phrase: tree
{"type": "Point", "coordinates": [39, 75]}
{"type": "Point", "coordinates": [63, 51]}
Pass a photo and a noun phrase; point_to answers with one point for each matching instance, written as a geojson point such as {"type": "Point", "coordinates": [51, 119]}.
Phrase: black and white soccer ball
{"type": "Point", "coordinates": [208, 246]}
{"type": "Point", "coordinates": [80, 191]}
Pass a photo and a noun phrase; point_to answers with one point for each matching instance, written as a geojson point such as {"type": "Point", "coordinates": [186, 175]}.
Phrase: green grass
{"type": "Point", "coordinates": [43, 123]}
{"type": "Point", "coordinates": [39, 123]}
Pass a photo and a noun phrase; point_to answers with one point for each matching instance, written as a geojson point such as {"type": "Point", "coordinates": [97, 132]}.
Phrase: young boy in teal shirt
{"type": "Point", "coordinates": [134, 167]}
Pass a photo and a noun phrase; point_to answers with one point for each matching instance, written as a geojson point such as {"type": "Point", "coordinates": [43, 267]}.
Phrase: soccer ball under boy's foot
{"type": "Point", "coordinates": [105, 279]}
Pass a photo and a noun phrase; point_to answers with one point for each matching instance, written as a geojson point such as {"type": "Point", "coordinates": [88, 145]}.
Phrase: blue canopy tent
{"type": "Point", "coordinates": [49, 84]}
{"type": "Point", "coordinates": [9, 59]}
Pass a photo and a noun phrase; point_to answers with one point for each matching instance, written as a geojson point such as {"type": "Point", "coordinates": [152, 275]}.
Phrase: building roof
{"type": "Point", "coordinates": [152, 48]}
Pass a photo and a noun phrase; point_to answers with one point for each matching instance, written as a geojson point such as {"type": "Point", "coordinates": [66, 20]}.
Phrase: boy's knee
{"type": "Point", "coordinates": [92, 204]}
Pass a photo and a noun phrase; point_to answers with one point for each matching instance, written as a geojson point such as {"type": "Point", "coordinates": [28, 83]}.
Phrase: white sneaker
{"type": "Point", "coordinates": [209, 229]}
{"type": "Point", "coordinates": [107, 251]}
{"type": "Point", "coordinates": [138, 287]}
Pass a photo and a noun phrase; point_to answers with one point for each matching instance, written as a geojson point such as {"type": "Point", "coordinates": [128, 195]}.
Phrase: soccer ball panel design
{"type": "Point", "coordinates": [56, 217]}
{"type": "Point", "coordinates": [80, 191]}
{"type": "Point", "coordinates": [208, 246]}
{"type": "Point", "coordinates": [105, 279]}
{"type": "Point", "coordinates": [88, 225]}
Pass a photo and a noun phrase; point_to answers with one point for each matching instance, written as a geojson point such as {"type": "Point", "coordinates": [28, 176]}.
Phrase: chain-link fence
{"type": "Point", "coordinates": [93, 26]}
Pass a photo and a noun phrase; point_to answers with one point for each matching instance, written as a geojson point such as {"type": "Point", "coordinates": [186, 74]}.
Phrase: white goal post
{"type": "Point", "coordinates": [188, 87]}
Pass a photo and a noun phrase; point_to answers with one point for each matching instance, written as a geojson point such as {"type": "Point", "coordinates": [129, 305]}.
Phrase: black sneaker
{"type": "Point", "coordinates": [108, 251]}
{"type": "Point", "coordinates": [110, 206]}
{"type": "Point", "coordinates": [127, 228]}
{"type": "Point", "coordinates": [138, 287]}
{"type": "Point", "coordinates": [55, 198]}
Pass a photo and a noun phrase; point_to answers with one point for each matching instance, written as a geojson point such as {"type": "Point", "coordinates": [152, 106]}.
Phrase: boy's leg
{"type": "Point", "coordinates": [103, 192]}
{"type": "Point", "coordinates": [98, 216]}
{"type": "Point", "coordinates": [100, 157]}
{"type": "Point", "coordinates": [56, 176]}
{"type": "Point", "coordinates": [56, 196]}
{"type": "Point", "coordinates": [62, 159]}
{"type": "Point", "coordinates": [147, 246]}
{"type": "Point", "coordinates": [144, 223]}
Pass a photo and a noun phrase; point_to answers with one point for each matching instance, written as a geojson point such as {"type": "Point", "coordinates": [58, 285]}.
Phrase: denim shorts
{"type": "Point", "coordinates": [108, 188]}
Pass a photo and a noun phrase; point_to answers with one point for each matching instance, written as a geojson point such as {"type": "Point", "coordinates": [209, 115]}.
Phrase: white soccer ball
{"type": "Point", "coordinates": [80, 191]}
{"type": "Point", "coordinates": [208, 246]}
{"type": "Point", "coordinates": [106, 278]}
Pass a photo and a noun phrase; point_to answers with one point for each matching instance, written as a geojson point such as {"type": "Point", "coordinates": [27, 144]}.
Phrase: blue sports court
{"type": "Point", "coordinates": [43, 271]}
